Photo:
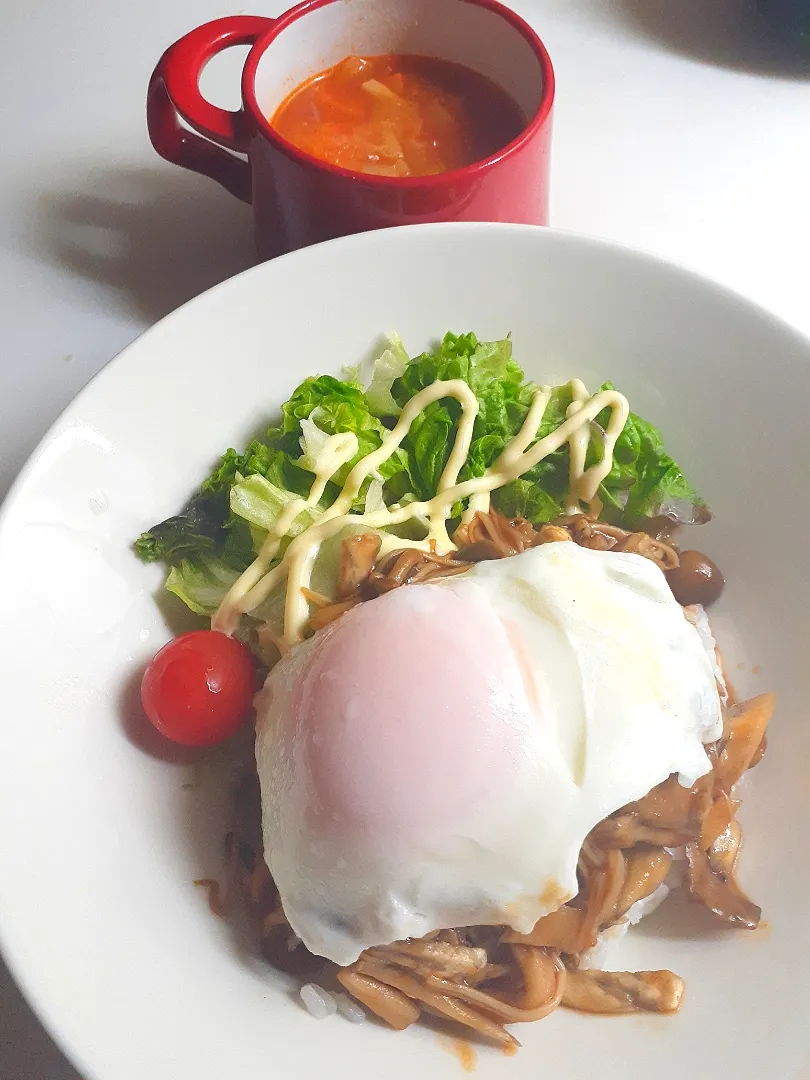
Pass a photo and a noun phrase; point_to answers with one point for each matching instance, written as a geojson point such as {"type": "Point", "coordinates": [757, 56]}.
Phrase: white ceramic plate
{"type": "Point", "coordinates": [101, 837]}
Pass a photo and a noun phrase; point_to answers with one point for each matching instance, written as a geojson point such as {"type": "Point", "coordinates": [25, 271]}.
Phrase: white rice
{"type": "Point", "coordinates": [317, 1001]}
{"type": "Point", "coordinates": [600, 956]}
{"type": "Point", "coordinates": [349, 1009]}
{"type": "Point", "coordinates": [696, 614]}
{"type": "Point", "coordinates": [642, 908]}
{"type": "Point", "coordinates": [321, 1003]}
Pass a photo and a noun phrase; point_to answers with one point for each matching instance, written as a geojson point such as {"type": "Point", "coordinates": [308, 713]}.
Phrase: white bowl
{"type": "Point", "coordinates": [102, 837]}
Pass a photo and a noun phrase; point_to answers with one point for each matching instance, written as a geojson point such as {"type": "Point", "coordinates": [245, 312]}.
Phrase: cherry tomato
{"type": "Point", "coordinates": [199, 688]}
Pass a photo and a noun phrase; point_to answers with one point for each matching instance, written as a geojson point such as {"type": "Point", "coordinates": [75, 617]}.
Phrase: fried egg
{"type": "Point", "coordinates": [437, 756]}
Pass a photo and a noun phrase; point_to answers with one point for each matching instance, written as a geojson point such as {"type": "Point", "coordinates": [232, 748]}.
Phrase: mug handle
{"type": "Point", "coordinates": [174, 94]}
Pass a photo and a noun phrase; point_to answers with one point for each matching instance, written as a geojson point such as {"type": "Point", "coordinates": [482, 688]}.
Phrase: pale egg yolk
{"type": "Point", "coordinates": [410, 713]}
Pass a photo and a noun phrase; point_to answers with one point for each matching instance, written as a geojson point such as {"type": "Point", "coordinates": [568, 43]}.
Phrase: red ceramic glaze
{"type": "Point", "coordinates": [298, 199]}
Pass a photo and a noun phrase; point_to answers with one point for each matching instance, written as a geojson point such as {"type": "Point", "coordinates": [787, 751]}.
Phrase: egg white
{"type": "Point", "coordinates": [597, 686]}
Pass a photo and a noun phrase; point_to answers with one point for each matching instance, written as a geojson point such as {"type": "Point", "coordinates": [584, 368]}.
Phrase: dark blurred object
{"type": "Point", "coordinates": [789, 18]}
{"type": "Point", "coordinates": [770, 38]}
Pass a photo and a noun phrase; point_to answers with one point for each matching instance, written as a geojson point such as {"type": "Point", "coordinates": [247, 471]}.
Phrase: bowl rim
{"type": "Point", "coordinates": [16, 962]}
{"type": "Point", "coordinates": [373, 236]}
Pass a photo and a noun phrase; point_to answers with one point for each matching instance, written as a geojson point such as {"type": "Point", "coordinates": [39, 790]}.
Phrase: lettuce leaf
{"type": "Point", "coordinates": [219, 532]}
{"type": "Point", "coordinates": [260, 502]}
{"type": "Point", "coordinates": [524, 498]}
{"type": "Point", "coordinates": [211, 526]}
{"type": "Point", "coordinates": [201, 584]}
{"type": "Point", "coordinates": [503, 400]}
{"type": "Point", "coordinates": [194, 531]}
{"type": "Point", "coordinates": [341, 406]}
{"type": "Point", "coordinates": [388, 367]}
{"type": "Point", "coordinates": [644, 481]}
{"type": "Point", "coordinates": [205, 528]}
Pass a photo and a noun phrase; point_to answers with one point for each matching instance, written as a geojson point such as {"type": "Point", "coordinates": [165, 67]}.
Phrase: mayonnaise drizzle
{"type": "Point", "coordinates": [518, 457]}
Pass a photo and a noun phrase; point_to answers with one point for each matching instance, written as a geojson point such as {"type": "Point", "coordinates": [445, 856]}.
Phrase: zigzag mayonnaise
{"type": "Point", "coordinates": [518, 457]}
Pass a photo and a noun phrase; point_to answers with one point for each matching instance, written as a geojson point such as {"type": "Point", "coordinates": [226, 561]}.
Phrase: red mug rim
{"type": "Point", "coordinates": [464, 174]}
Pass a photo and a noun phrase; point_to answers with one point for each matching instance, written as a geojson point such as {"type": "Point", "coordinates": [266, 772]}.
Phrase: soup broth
{"type": "Point", "coordinates": [399, 115]}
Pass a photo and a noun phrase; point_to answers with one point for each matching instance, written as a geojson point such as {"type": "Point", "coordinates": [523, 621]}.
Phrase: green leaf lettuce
{"type": "Point", "coordinates": [223, 526]}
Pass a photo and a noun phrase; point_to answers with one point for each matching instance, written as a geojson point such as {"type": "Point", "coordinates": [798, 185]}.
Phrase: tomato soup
{"type": "Point", "coordinates": [399, 115]}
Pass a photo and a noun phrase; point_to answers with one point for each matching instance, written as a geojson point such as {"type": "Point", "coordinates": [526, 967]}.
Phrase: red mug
{"type": "Point", "coordinates": [298, 199]}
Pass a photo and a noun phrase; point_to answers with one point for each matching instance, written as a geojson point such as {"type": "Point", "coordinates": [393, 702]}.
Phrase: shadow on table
{"type": "Point", "coordinates": [727, 33]}
{"type": "Point", "coordinates": [156, 236]}
{"type": "Point", "coordinates": [26, 1050]}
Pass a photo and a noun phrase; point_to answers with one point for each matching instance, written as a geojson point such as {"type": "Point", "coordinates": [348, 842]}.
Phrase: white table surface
{"type": "Point", "coordinates": [679, 129]}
